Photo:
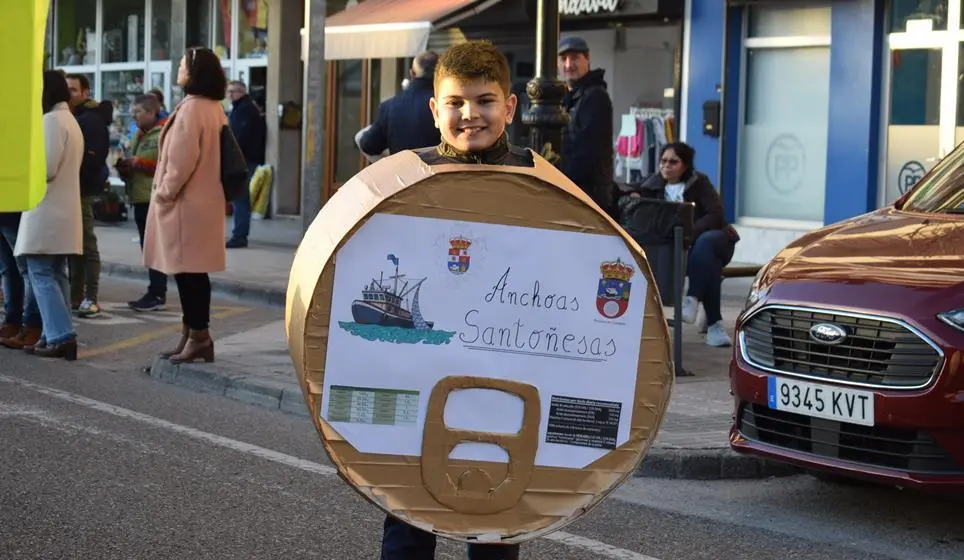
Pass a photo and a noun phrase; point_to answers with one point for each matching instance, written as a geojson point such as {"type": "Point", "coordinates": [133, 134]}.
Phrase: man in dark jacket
{"type": "Point", "coordinates": [251, 131]}
{"type": "Point", "coordinates": [405, 121]}
{"type": "Point", "coordinates": [94, 119]}
{"type": "Point", "coordinates": [587, 148]}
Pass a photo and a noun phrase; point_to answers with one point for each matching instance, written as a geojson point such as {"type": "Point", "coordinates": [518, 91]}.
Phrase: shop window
{"type": "Point", "coordinates": [912, 15]}
{"type": "Point", "coordinates": [785, 21]}
{"type": "Point", "coordinates": [253, 29]}
{"type": "Point", "coordinates": [783, 143]}
{"type": "Point", "coordinates": [76, 32]}
{"type": "Point", "coordinates": [122, 39]}
{"type": "Point", "coordinates": [200, 21]}
{"type": "Point", "coordinates": [222, 29]}
{"type": "Point", "coordinates": [161, 31]}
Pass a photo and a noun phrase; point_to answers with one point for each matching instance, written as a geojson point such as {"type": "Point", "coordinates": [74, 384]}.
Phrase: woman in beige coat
{"type": "Point", "coordinates": [52, 231]}
{"type": "Point", "coordinates": [184, 232]}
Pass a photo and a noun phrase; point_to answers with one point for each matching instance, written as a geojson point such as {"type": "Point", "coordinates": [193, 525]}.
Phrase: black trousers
{"type": "Point", "coordinates": [401, 541]}
{"type": "Point", "coordinates": [195, 292]}
{"type": "Point", "coordinates": [158, 280]}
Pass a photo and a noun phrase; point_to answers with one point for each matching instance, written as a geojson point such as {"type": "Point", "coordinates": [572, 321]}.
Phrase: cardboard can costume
{"type": "Point", "coordinates": [482, 349]}
{"type": "Point", "coordinates": [23, 182]}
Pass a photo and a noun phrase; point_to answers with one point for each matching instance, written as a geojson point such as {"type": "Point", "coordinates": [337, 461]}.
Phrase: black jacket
{"type": "Point", "coordinates": [404, 122]}
{"type": "Point", "coordinates": [587, 148]}
{"type": "Point", "coordinates": [10, 220]}
{"type": "Point", "coordinates": [502, 153]}
{"type": "Point", "coordinates": [250, 129]}
{"type": "Point", "coordinates": [708, 207]}
{"type": "Point", "coordinates": [93, 119]}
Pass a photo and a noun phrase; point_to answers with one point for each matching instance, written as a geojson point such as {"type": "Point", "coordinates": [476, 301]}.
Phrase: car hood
{"type": "Point", "coordinates": [885, 247]}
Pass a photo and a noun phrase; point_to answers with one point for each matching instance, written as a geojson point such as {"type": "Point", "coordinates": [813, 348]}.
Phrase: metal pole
{"type": "Point", "coordinates": [678, 301]}
{"type": "Point", "coordinates": [546, 118]}
{"type": "Point", "coordinates": [313, 116]}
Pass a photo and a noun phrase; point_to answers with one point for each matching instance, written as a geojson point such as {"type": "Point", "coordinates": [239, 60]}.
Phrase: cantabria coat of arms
{"type": "Point", "coordinates": [612, 299]}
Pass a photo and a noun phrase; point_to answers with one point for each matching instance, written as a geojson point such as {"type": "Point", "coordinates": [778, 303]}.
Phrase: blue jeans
{"type": "Point", "coordinates": [19, 306]}
{"type": "Point", "coordinates": [401, 541]}
{"type": "Point", "coordinates": [241, 209]}
{"type": "Point", "coordinates": [711, 252]}
{"type": "Point", "coordinates": [51, 287]}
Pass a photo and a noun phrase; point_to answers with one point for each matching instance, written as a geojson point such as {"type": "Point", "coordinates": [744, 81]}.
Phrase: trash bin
{"type": "Point", "coordinates": [650, 222]}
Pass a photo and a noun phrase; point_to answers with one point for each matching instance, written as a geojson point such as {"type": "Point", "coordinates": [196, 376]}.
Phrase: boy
{"type": "Point", "coordinates": [472, 106]}
{"type": "Point", "coordinates": [137, 170]}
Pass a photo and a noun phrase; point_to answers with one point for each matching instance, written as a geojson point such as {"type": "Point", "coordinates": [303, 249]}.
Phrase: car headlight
{"type": "Point", "coordinates": [757, 293]}
{"type": "Point", "coordinates": [954, 318]}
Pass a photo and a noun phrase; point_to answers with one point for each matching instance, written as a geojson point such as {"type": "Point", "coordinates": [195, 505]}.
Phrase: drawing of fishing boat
{"type": "Point", "coordinates": [387, 305]}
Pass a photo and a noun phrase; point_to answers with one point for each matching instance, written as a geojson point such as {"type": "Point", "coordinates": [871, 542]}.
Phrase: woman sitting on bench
{"type": "Point", "coordinates": [715, 240]}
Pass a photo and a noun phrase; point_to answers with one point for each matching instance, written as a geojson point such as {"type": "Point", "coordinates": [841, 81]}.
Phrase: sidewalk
{"type": "Point", "coordinates": [254, 366]}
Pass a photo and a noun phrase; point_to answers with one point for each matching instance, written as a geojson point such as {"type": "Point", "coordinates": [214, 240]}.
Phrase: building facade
{"type": "Point", "coordinates": [829, 109]}
{"type": "Point", "coordinates": [126, 47]}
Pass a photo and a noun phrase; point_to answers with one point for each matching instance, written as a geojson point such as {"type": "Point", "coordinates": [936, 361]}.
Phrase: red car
{"type": "Point", "coordinates": [849, 355]}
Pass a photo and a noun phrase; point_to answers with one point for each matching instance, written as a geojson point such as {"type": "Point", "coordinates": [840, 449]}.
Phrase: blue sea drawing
{"type": "Point", "coordinates": [383, 313]}
{"type": "Point", "coordinates": [397, 335]}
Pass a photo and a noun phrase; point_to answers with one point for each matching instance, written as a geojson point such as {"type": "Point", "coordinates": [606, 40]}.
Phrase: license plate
{"type": "Point", "coordinates": [821, 401]}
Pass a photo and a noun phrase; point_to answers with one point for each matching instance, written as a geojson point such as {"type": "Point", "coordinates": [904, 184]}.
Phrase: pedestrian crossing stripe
{"type": "Point", "coordinates": [113, 314]}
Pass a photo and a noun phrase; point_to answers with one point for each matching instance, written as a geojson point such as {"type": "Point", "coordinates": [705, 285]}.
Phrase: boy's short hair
{"type": "Point", "coordinates": [474, 60]}
{"type": "Point", "coordinates": [148, 102]}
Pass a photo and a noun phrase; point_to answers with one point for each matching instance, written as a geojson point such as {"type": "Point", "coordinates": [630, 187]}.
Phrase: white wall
{"type": "Point", "coordinates": [640, 71]}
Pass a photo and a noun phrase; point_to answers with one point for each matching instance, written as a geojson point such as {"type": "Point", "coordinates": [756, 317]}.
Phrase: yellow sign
{"type": "Point", "coordinates": [23, 166]}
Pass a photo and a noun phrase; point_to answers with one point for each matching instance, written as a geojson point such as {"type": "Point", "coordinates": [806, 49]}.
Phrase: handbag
{"type": "Point", "coordinates": [234, 168]}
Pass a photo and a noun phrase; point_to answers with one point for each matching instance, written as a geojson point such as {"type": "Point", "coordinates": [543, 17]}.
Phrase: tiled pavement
{"type": "Point", "coordinates": [254, 366]}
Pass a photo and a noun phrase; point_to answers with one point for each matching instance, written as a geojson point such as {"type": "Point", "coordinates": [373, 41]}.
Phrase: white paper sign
{"type": "Point", "coordinates": [416, 300]}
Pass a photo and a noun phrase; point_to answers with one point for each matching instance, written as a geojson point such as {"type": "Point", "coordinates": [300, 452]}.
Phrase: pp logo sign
{"type": "Point", "coordinates": [909, 175]}
{"type": "Point", "coordinates": [786, 161]}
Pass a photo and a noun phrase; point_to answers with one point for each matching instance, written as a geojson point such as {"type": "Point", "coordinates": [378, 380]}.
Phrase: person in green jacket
{"type": "Point", "coordinates": [137, 170]}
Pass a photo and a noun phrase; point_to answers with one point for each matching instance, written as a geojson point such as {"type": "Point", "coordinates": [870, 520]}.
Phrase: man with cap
{"type": "Point", "coordinates": [587, 149]}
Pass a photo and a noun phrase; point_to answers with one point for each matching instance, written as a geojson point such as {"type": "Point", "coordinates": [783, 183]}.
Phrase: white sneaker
{"type": "Point", "coordinates": [717, 337]}
{"type": "Point", "coordinates": [691, 308]}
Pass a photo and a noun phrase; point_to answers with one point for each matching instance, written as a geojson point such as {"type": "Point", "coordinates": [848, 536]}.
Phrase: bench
{"type": "Point", "coordinates": [748, 271]}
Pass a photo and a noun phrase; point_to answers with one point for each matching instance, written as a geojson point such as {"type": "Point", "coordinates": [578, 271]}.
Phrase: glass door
{"type": "Point", "coordinates": [920, 112]}
{"type": "Point", "coordinates": [254, 74]}
{"type": "Point", "coordinates": [160, 77]}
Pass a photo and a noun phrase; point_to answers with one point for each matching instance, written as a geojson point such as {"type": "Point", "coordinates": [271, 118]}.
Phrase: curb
{"type": "Point", "coordinates": [263, 295]}
{"type": "Point", "coordinates": [660, 461]}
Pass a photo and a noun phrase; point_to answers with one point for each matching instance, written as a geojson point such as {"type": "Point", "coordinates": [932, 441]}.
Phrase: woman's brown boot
{"type": "Point", "coordinates": [180, 345]}
{"type": "Point", "coordinates": [28, 336]}
{"type": "Point", "coordinates": [199, 346]}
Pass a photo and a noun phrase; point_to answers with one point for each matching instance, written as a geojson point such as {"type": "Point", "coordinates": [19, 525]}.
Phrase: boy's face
{"type": "Point", "coordinates": [144, 117]}
{"type": "Point", "coordinates": [472, 115]}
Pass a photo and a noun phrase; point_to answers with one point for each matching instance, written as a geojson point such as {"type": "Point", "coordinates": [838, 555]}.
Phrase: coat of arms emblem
{"type": "Point", "coordinates": [612, 299]}
{"type": "Point", "coordinates": [459, 257]}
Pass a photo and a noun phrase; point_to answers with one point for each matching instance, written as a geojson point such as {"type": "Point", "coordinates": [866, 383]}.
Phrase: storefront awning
{"type": "Point", "coordinates": [391, 28]}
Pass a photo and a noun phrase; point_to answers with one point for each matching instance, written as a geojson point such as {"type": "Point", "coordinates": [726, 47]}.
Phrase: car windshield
{"type": "Point", "coordinates": [942, 190]}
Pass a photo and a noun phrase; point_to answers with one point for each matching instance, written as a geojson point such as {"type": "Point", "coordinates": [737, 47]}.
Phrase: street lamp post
{"type": "Point", "coordinates": [545, 117]}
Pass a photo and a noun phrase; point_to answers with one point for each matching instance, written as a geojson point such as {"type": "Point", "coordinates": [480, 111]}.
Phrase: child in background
{"type": "Point", "coordinates": [472, 106]}
{"type": "Point", "coordinates": [137, 170]}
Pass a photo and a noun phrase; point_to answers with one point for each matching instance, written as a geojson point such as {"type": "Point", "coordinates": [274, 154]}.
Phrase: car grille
{"type": "Point", "coordinates": [895, 448]}
{"type": "Point", "coordinates": [876, 352]}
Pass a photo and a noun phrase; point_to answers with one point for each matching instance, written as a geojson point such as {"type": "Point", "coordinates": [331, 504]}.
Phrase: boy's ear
{"type": "Point", "coordinates": [433, 105]}
{"type": "Point", "coordinates": [511, 103]}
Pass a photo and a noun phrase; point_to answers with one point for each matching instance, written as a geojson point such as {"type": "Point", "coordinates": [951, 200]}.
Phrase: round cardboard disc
{"type": "Point", "coordinates": [482, 349]}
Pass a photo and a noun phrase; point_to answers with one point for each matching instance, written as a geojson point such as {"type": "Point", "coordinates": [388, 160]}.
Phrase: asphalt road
{"type": "Point", "coordinates": [100, 462]}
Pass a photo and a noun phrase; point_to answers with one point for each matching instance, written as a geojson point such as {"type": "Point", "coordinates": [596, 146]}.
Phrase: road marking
{"type": "Point", "coordinates": [148, 336]}
{"type": "Point", "coordinates": [596, 547]}
{"type": "Point", "coordinates": [568, 539]}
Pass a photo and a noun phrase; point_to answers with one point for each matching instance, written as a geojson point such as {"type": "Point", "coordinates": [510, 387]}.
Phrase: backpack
{"type": "Point", "coordinates": [234, 168]}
